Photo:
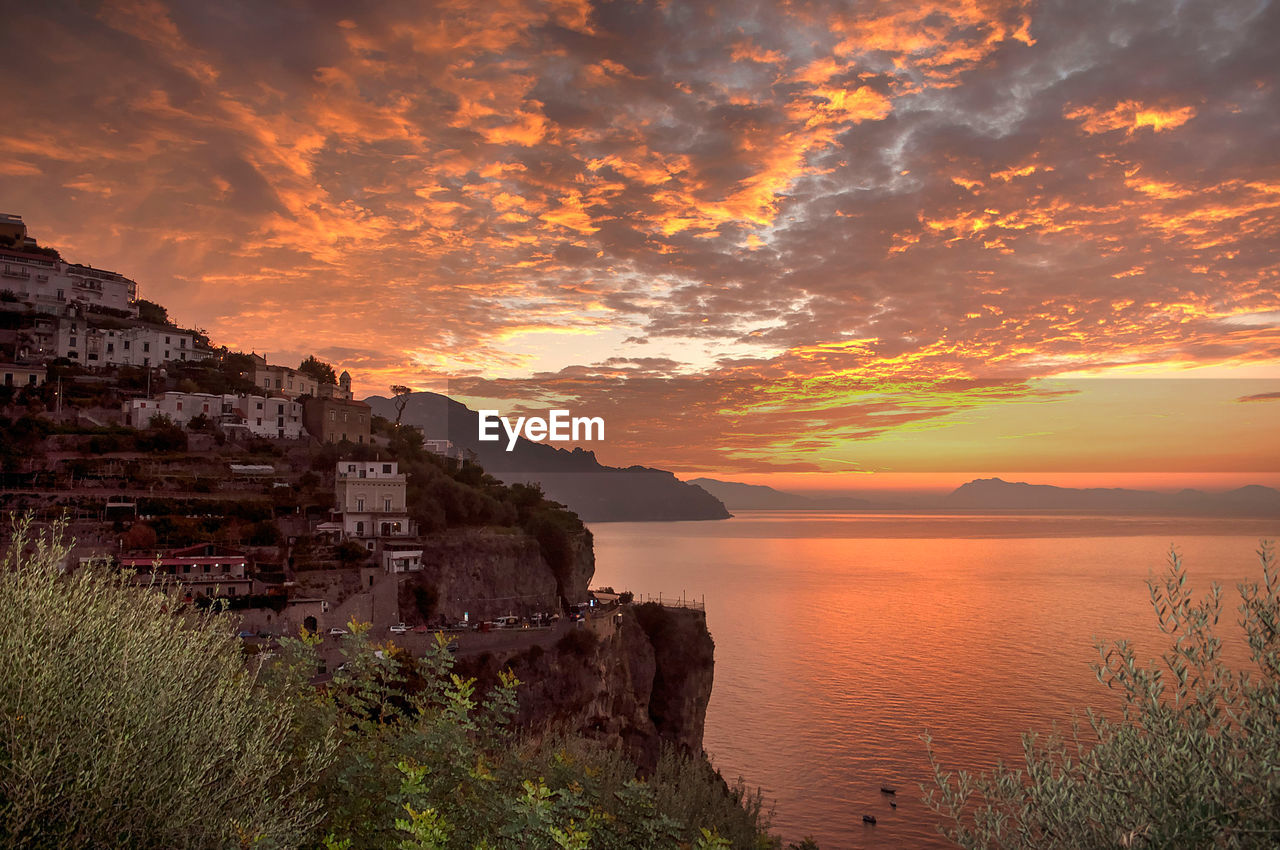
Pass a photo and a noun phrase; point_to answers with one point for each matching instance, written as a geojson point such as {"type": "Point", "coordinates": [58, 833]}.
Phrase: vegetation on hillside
{"type": "Point", "coordinates": [132, 722]}
{"type": "Point", "coordinates": [1193, 760]}
{"type": "Point", "coordinates": [316, 368]}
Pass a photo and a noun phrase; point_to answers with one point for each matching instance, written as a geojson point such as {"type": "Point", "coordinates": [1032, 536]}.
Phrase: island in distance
{"type": "Point", "coordinates": [994, 494]}
{"type": "Point", "coordinates": [597, 493]}
{"type": "Point", "coordinates": [757, 497]}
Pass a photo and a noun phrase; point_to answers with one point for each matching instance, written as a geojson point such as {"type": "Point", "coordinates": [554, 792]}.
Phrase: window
{"type": "Point", "coordinates": [333, 416]}
{"type": "Point", "coordinates": [182, 343]}
{"type": "Point", "coordinates": [146, 346]}
{"type": "Point", "coordinates": [111, 348]}
{"type": "Point", "coordinates": [179, 407]}
{"type": "Point", "coordinates": [360, 503]}
{"type": "Point", "coordinates": [386, 504]}
{"type": "Point", "coordinates": [73, 342]}
{"type": "Point", "coordinates": [126, 345]}
{"type": "Point", "coordinates": [359, 528]}
{"type": "Point", "coordinates": [386, 469]}
{"type": "Point", "coordinates": [167, 341]}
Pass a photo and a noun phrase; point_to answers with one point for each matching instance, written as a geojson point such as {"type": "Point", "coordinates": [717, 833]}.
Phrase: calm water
{"type": "Point", "coordinates": [841, 638]}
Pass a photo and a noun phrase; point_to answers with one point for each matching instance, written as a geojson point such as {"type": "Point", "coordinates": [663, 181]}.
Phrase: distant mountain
{"type": "Point", "coordinates": [995, 494]}
{"type": "Point", "coordinates": [757, 497]}
{"type": "Point", "coordinates": [597, 493]}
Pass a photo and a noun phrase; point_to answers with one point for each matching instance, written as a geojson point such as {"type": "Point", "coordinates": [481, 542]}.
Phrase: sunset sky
{"type": "Point", "coordinates": [787, 241]}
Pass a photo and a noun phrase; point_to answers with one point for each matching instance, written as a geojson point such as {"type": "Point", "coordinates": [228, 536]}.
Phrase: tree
{"type": "Point", "coordinates": [318, 369]}
{"type": "Point", "coordinates": [401, 393]}
{"type": "Point", "coordinates": [150, 311]}
{"type": "Point", "coordinates": [1192, 761]}
{"type": "Point", "coordinates": [350, 553]}
{"type": "Point", "coordinates": [139, 536]}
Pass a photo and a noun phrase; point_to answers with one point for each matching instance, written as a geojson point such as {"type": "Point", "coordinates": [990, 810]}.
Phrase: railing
{"type": "Point", "coordinates": [681, 601]}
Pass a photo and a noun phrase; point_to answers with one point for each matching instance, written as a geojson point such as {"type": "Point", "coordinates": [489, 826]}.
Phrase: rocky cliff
{"type": "Point", "coordinates": [491, 572]}
{"type": "Point", "coordinates": [638, 681]}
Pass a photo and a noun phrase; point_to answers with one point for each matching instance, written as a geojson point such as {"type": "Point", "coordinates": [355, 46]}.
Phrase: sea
{"type": "Point", "coordinates": [842, 639]}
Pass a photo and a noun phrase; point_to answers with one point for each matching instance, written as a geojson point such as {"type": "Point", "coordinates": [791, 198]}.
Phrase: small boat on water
{"type": "Point", "coordinates": [871, 819]}
{"type": "Point", "coordinates": [885, 789]}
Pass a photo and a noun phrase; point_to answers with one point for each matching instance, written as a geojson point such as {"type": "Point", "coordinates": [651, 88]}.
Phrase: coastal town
{"type": "Point", "coordinates": [262, 488]}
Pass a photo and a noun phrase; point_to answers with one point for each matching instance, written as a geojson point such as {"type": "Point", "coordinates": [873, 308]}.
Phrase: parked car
{"type": "Point", "coordinates": [508, 622]}
{"type": "Point", "coordinates": [421, 630]}
{"type": "Point", "coordinates": [399, 629]}
{"type": "Point", "coordinates": [246, 634]}
{"type": "Point", "coordinates": [337, 630]}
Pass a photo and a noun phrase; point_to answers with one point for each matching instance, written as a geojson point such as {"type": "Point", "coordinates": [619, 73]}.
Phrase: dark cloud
{"type": "Point", "coordinates": [804, 196]}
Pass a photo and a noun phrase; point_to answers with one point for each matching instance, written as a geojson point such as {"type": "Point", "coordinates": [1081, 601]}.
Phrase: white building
{"type": "Point", "coordinates": [371, 496]}
{"type": "Point", "coordinates": [397, 560]}
{"type": "Point", "coordinates": [13, 375]}
{"type": "Point", "coordinates": [255, 415]}
{"type": "Point", "coordinates": [283, 381]}
{"type": "Point", "coordinates": [280, 418]}
{"type": "Point", "coordinates": [51, 285]}
{"type": "Point", "coordinates": [140, 345]}
{"type": "Point", "coordinates": [290, 383]}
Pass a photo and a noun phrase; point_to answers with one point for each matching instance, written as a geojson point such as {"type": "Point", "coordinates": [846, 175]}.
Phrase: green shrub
{"type": "Point", "coordinates": [127, 725]}
{"type": "Point", "coordinates": [1193, 759]}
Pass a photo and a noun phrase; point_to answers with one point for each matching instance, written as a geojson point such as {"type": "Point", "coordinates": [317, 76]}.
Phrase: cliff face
{"type": "Point", "coordinates": [489, 573]}
{"type": "Point", "coordinates": [637, 683]}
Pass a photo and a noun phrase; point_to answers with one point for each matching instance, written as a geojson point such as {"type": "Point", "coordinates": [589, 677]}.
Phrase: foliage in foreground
{"type": "Point", "coordinates": [126, 723]}
{"type": "Point", "coordinates": [1193, 761]}
{"type": "Point", "coordinates": [123, 725]}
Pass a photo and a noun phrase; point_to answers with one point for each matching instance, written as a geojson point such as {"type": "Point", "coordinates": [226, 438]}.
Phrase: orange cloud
{"type": "Point", "coordinates": [1130, 116]}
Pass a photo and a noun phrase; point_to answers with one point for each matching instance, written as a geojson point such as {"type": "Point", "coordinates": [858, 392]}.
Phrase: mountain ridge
{"type": "Point", "coordinates": [1248, 501]}
{"type": "Point", "coordinates": [574, 477]}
